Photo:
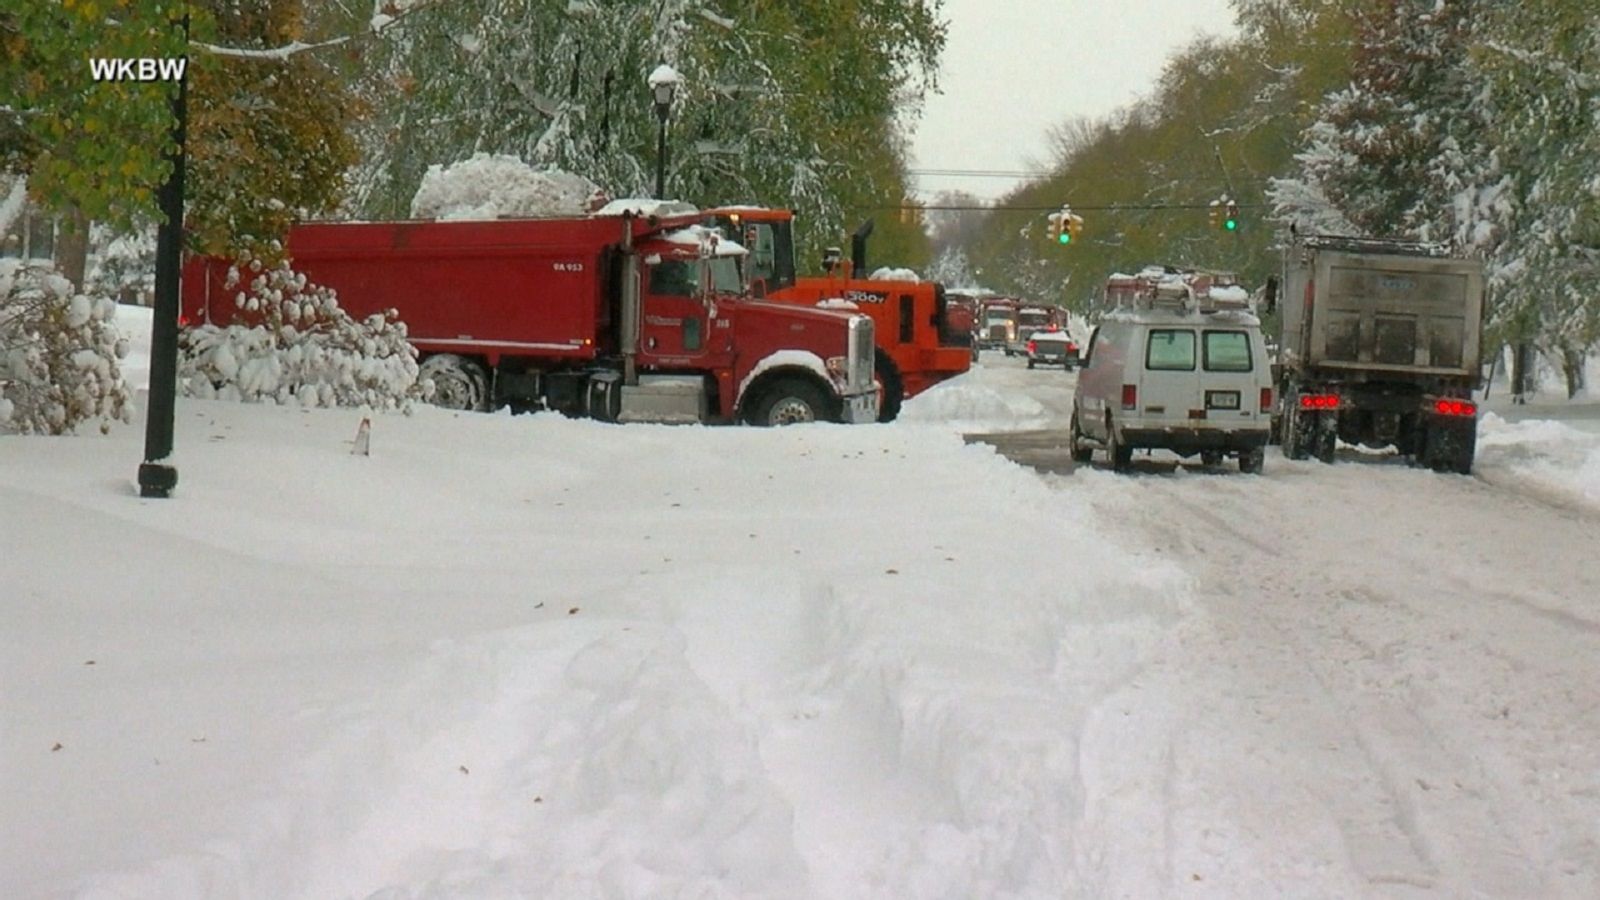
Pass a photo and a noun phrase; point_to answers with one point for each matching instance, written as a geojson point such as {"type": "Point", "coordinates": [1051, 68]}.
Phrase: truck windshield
{"type": "Point", "coordinates": [725, 275]}
{"type": "Point", "coordinates": [1034, 318]}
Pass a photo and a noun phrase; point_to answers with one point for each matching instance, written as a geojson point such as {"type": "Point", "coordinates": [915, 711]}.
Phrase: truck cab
{"type": "Point", "coordinates": [921, 337]}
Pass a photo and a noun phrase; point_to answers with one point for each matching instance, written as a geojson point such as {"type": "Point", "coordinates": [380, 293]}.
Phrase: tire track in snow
{"type": "Point", "coordinates": [1475, 832]}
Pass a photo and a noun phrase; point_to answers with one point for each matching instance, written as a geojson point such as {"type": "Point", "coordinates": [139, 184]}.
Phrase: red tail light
{"type": "Point", "coordinates": [183, 321]}
{"type": "Point", "coordinates": [1130, 396]}
{"type": "Point", "coordinates": [1319, 401]}
{"type": "Point", "coordinates": [1033, 346]}
{"type": "Point", "coordinates": [1444, 406]}
{"type": "Point", "coordinates": [1071, 347]}
{"type": "Point", "coordinates": [1266, 399]}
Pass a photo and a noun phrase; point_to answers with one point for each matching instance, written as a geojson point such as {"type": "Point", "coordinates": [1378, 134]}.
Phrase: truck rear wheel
{"type": "Point", "coordinates": [458, 382]}
{"type": "Point", "coordinates": [894, 386]}
{"type": "Point", "coordinates": [791, 401]}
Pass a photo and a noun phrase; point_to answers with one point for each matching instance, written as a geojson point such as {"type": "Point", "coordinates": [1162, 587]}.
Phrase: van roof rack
{"type": "Point", "coordinates": [1177, 290]}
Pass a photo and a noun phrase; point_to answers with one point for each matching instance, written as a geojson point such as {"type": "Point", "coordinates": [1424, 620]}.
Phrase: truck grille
{"type": "Point", "coordinates": [861, 345]}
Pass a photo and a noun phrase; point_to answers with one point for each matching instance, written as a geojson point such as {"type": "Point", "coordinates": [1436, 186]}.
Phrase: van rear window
{"type": "Point", "coordinates": [1170, 349]}
{"type": "Point", "coordinates": [1227, 351]}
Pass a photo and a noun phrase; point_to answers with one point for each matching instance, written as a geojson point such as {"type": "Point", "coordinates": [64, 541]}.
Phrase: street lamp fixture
{"type": "Point", "coordinates": [663, 84]}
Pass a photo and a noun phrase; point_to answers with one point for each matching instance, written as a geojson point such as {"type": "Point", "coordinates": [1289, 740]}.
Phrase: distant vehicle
{"type": "Point", "coordinates": [1052, 348]}
{"type": "Point", "coordinates": [997, 322]}
{"type": "Point", "coordinates": [1178, 365]}
{"type": "Point", "coordinates": [623, 317]}
{"type": "Point", "coordinates": [1381, 345]}
{"type": "Point", "coordinates": [1031, 319]}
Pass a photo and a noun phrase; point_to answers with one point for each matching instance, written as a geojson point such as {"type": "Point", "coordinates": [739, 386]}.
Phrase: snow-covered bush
{"type": "Point", "coordinates": [489, 186]}
{"type": "Point", "coordinates": [58, 354]}
{"type": "Point", "coordinates": [122, 265]}
{"type": "Point", "coordinates": [302, 347]}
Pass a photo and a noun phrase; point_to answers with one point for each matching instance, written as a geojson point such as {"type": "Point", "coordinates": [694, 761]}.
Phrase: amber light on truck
{"type": "Point", "coordinates": [1447, 407]}
{"type": "Point", "coordinates": [1130, 396]}
{"type": "Point", "coordinates": [1319, 401]}
{"type": "Point", "coordinates": [838, 367]}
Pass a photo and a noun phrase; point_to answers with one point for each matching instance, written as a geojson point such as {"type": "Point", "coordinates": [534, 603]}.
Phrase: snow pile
{"type": "Point", "coordinates": [965, 404]}
{"type": "Point", "coordinates": [59, 354]}
{"type": "Point", "coordinates": [837, 303]}
{"type": "Point", "coordinates": [644, 206]}
{"type": "Point", "coordinates": [306, 349]}
{"type": "Point", "coordinates": [492, 186]}
{"type": "Point", "coordinates": [892, 274]}
{"type": "Point", "coordinates": [1545, 456]}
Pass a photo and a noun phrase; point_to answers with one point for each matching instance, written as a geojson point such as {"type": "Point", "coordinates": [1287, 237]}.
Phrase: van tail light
{"type": "Point", "coordinates": [1319, 401]}
{"type": "Point", "coordinates": [1266, 399]}
{"type": "Point", "coordinates": [1445, 406]}
{"type": "Point", "coordinates": [1130, 396]}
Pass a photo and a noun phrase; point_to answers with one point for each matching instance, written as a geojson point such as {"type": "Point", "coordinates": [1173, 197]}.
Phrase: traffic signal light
{"type": "Point", "coordinates": [1214, 214]}
{"type": "Point", "coordinates": [1074, 227]}
{"type": "Point", "coordinates": [1231, 222]}
{"type": "Point", "coordinates": [1054, 228]}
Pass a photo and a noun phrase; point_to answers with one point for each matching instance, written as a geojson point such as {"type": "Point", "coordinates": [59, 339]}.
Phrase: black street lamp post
{"type": "Point", "coordinates": [663, 84]}
{"type": "Point", "coordinates": [157, 475]}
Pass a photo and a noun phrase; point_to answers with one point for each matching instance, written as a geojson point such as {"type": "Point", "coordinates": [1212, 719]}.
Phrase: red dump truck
{"type": "Point", "coordinates": [627, 317]}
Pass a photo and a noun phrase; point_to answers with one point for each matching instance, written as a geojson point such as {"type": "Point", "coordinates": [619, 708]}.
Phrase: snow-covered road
{"type": "Point", "coordinates": [1390, 671]}
{"type": "Point", "coordinates": [524, 656]}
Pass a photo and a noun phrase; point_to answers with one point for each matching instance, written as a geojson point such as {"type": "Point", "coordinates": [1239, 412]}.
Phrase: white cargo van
{"type": "Point", "coordinates": [1178, 365]}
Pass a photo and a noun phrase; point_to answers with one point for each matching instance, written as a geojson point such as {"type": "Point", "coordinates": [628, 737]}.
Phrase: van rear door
{"type": "Point", "coordinates": [1233, 367]}
{"type": "Point", "coordinates": [1169, 383]}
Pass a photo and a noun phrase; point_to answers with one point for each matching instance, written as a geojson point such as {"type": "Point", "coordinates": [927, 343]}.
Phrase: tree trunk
{"type": "Point", "coordinates": [1572, 365]}
{"type": "Point", "coordinates": [72, 246]}
{"type": "Point", "coordinates": [1521, 376]}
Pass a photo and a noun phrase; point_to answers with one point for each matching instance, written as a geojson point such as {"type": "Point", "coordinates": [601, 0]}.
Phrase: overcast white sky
{"type": "Point", "coordinates": [1014, 68]}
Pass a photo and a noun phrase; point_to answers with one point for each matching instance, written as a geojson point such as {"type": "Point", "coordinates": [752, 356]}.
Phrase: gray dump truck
{"type": "Point", "coordinates": [1380, 345]}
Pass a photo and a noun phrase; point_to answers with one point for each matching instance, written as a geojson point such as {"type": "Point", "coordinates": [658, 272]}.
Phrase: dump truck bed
{"type": "Point", "coordinates": [1397, 313]}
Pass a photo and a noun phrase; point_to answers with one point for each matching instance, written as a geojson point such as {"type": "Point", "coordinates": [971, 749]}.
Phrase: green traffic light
{"type": "Point", "coordinates": [1232, 224]}
{"type": "Point", "coordinates": [1065, 238]}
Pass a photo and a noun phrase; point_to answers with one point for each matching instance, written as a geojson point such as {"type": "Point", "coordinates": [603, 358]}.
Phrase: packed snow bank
{"type": "Point", "coordinates": [493, 186]}
{"type": "Point", "coordinates": [528, 656]}
{"type": "Point", "coordinates": [1547, 456]}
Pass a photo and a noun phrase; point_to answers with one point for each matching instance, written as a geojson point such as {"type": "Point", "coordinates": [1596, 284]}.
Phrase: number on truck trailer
{"type": "Point", "coordinates": [567, 266]}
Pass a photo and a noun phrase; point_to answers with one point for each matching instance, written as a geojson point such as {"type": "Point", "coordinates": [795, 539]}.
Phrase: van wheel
{"type": "Point", "coordinates": [458, 382]}
{"type": "Point", "coordinates": [1251, 461]}
{"type": "Point", "coordinates": [1121, 456]}
{"type": "Point", "coordinates": [1080, 453]}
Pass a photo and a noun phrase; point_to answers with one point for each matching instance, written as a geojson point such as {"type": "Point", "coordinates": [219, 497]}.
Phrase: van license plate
{"type": "Point", "coordinates": [1222, 399]}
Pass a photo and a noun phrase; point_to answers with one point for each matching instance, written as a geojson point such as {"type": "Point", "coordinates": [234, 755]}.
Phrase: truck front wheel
{"type": "Point", "coordinates": [790, 401]}
{"type": "Point", "coordinates": [893, 386]}
{"type": "Point", "coordinates": [458, 382]}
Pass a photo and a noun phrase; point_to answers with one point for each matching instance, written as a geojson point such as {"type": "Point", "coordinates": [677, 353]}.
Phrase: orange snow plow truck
{"type": "Point", "coordinates": [923, 337]}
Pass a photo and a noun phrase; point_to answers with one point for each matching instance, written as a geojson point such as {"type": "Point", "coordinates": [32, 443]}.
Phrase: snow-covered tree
{"type": "Point", "coordinates": [790, 104]}
{"type": "Point", "coordinates": [303, 347]}
{"type": "Point", "coordinates": [59, 354]}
